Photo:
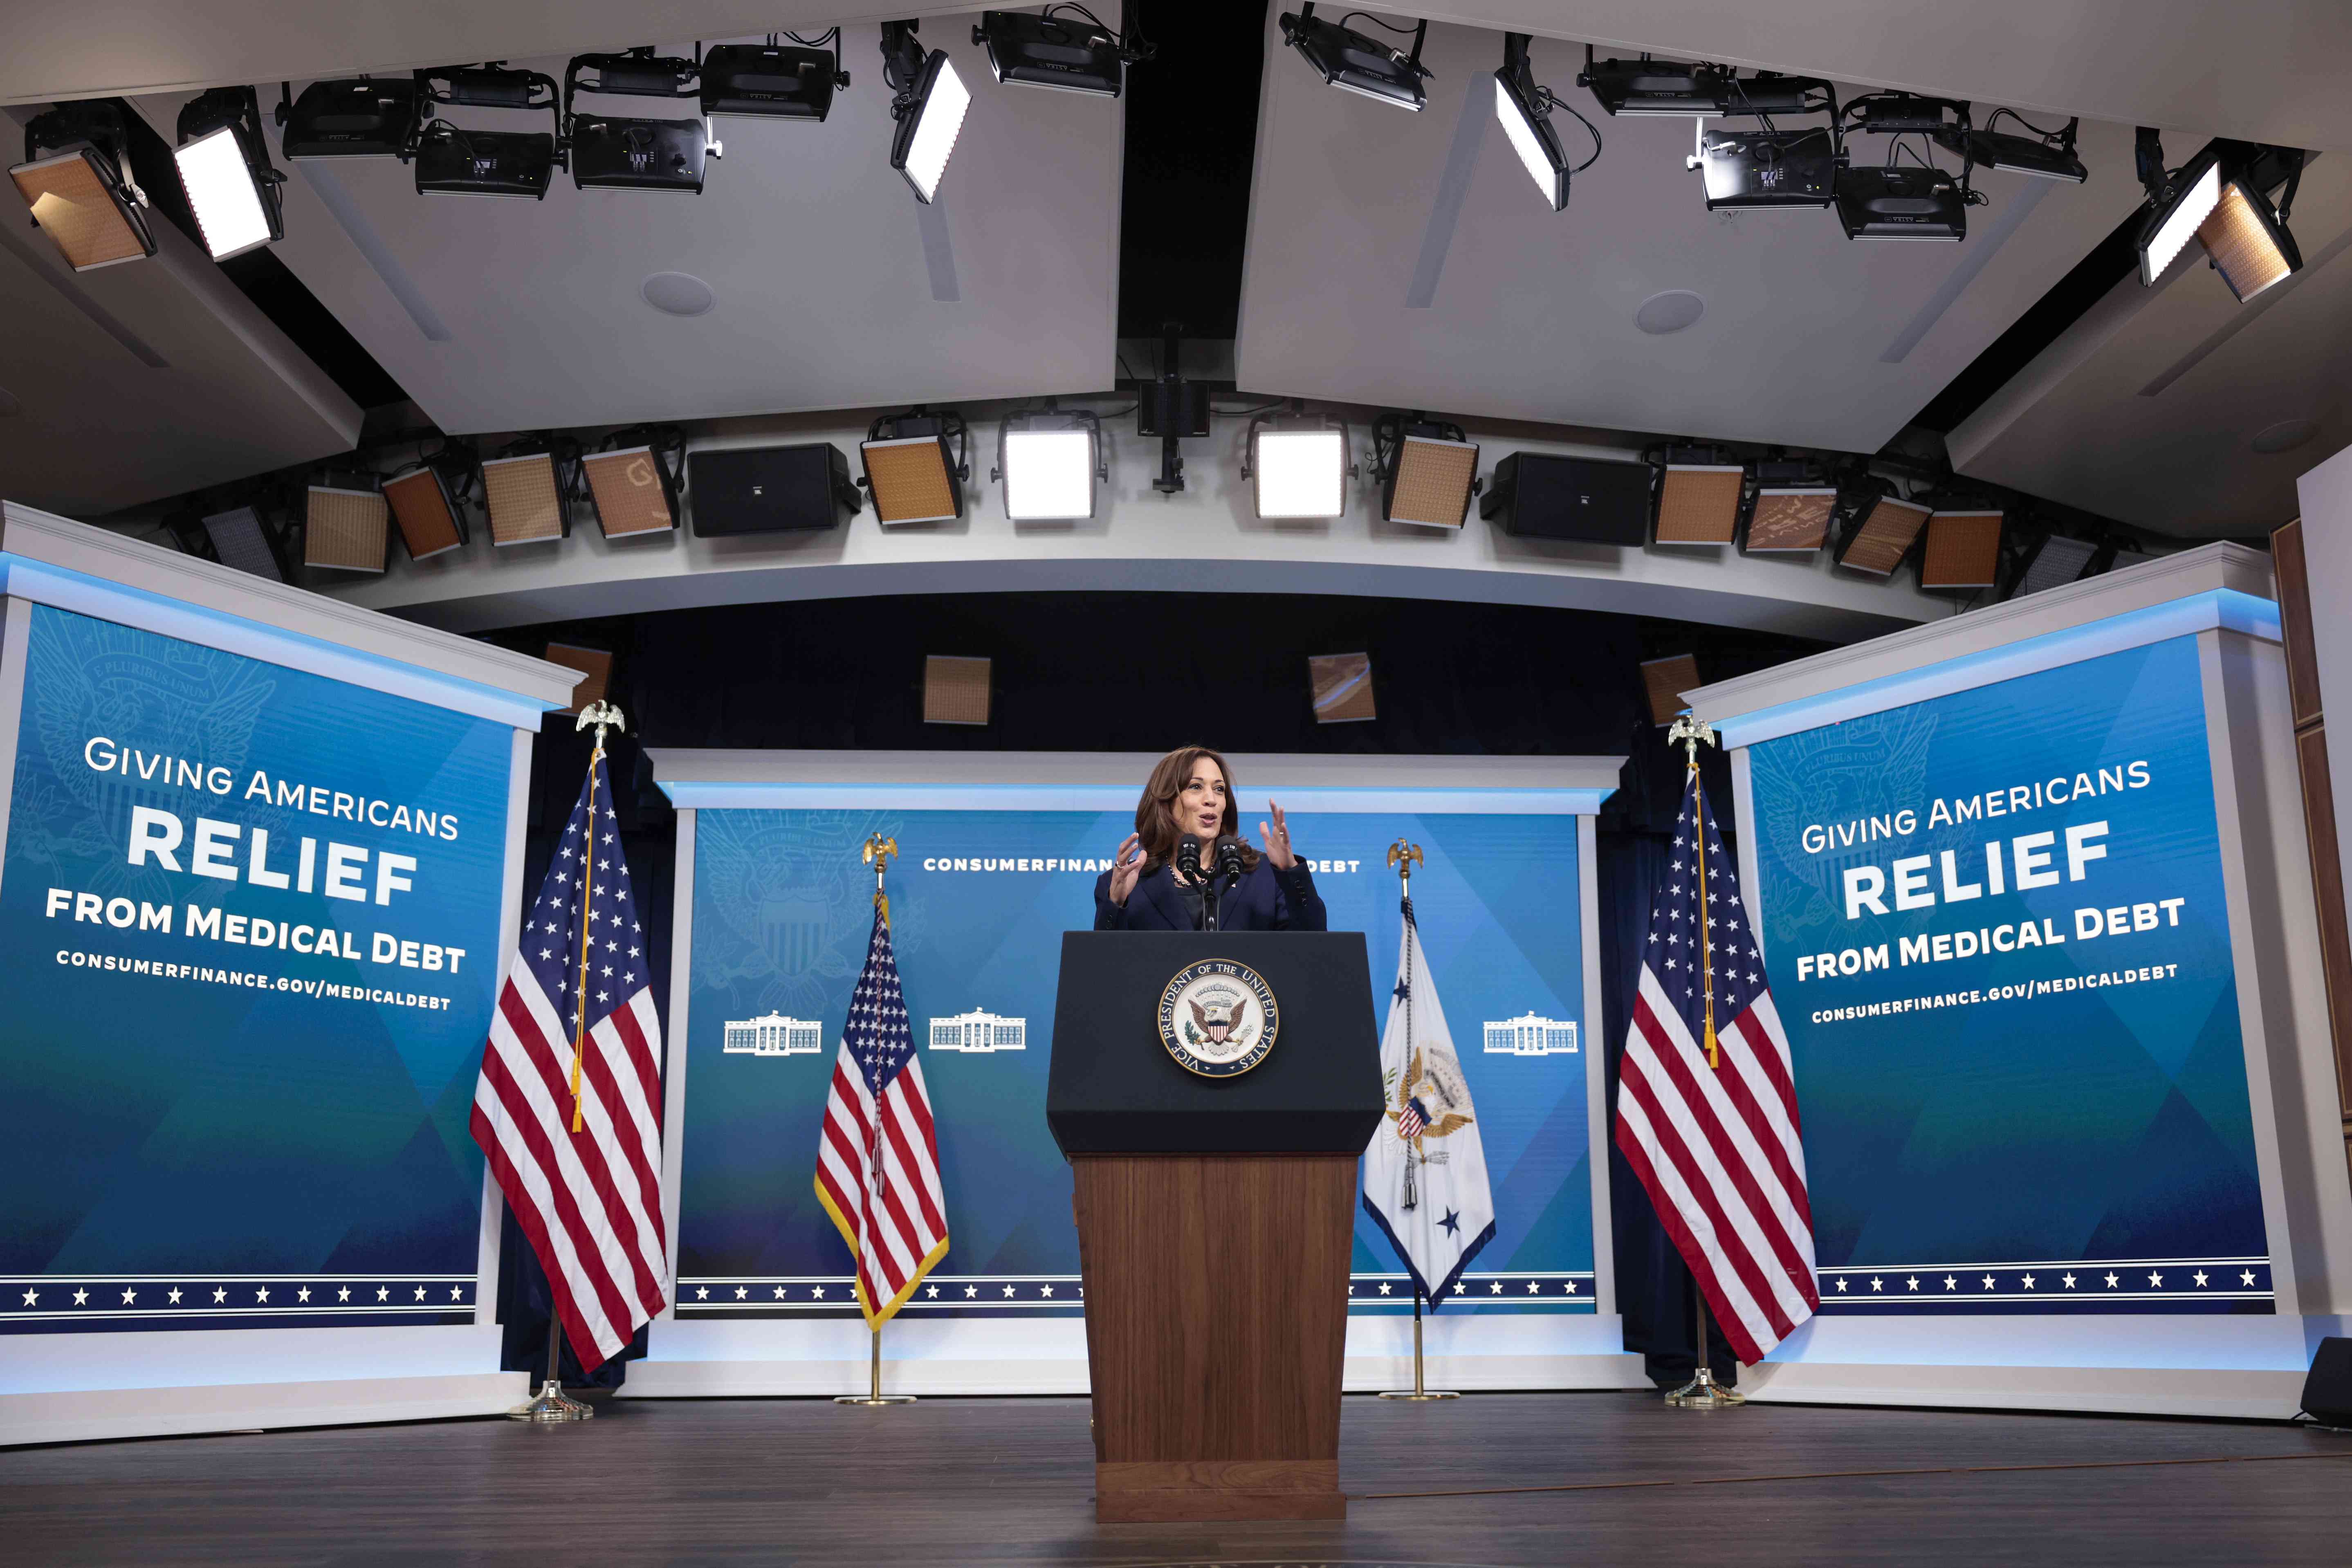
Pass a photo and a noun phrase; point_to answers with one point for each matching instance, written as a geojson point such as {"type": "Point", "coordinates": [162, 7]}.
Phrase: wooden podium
{"type": "Point", "coordinates": [1214, 1223]}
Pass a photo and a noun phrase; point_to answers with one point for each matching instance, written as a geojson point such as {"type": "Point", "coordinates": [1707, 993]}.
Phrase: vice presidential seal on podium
{"type": "Point", "coordinates": [1218, 1019]}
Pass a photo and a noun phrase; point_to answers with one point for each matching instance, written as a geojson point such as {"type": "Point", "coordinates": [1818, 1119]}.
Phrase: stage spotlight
{"type": "Point", "coordinates": [1049, 463]}
{"type": "Point", "coordinates": [1767, 168]}
{"type": "Point", "coordinates": [1698, 502]}
{"type": "Point", "coordinates": [955, 690]}
{"type": "Point", "coordinates": [428, 514]}
{"type": "Point", "coordinates": [1342, 686]}
{"type": "Point", "coordinates": [78, 192]}
{"type": "Point", "coordinates": [1888, 203]}
{"type": "Point", "coordinates": [2056, 562]}
{"type": "Point", "coordinates": [1298, 470]}
{"type": "Point", "coordinates": [1354, 63]}
{"type": "Point", "coordinates": [2044, 154]}
{"type": "Point", "coordinates": [913, 473]}
{"type": "Point", "coordinates": [772, 81]}
{"type": "Point", "coordinates": [1884, 533]}
{"type": "Point", "coordinates": [1792, 519]}
{"type": "Point", "coordinates": [1648, 87]}
{"type": "Point", "coordinates": [452, 159]}
{"type": "Point", "coordinates": [928, 102]}
{"type": "Point", "coordinates": [1057, 49]}
{"type": "Point", "coordinates": [2179, 204]}
{"type": "Point", "coordinates": [1523, 106]}
{"type": "Point", "coordinates": [525, 493]}
{"type": "Point", "coordinates": [595, 668]}
{"type": "Point", "coordinates": [2248, 241]}
{"type": "Point", "coordinates": [226, 171]}
{"type": "Point", "coordinates": [241, 538]}
{"type": "Point", "coordinates": [1768, 92]}
{"type": "Point", "coordinates": [610, 151]}
{"type": "Point", "coordinates": [1905, 114]}
{"type": "Point", "coordinates": [346, 529]}
{"type": "Point", "coordinates": [1663, 682]}
{"type": "Point", "coordinates": [359, 116]}
{"type": "Point", "coordinates": [1963, 550]}
{"type": "Point", "coordinates": [1428, 470]}
{"type": "Point", "coordinates": [633, 485]}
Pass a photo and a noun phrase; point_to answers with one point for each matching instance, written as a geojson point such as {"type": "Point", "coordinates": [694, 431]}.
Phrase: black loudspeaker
{"type": "Point", "coordinates": [2327, 1392]}
{"type": "Point", "coordinates": [768, 489]}
{"type": "Point", "coordinates": [1542, 496]}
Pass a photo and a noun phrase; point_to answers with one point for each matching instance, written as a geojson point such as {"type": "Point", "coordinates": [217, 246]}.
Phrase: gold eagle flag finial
{"type": "Point", "coordinates": [1693, 732]}
{"type": "Point", "coordinates": [878, 854]}
{"type": "Point", "coordinates": [601, 716]}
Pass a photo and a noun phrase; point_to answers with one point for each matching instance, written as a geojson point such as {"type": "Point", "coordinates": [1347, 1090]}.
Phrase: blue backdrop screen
{"type": "Point", "coordinates": [248, 922]}
{"type": "Point", "coordinates": [1996, 932]}
{"type": "Point", "coordinates": [978, 903]}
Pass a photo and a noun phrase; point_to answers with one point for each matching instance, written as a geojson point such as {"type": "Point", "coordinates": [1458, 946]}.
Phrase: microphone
{"type": "Point", "coordinates": [1187, 857]}
{"type": "Point", "coordinates": [1229, 857]}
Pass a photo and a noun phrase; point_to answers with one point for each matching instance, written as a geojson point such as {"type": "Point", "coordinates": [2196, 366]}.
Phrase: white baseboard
{"type": "Point", "coordinates": [2136, 1391]}
{"type": "Point", "coordinates": [945, 1378]}
{"type": "Point", "coordinates": [83, 1415]}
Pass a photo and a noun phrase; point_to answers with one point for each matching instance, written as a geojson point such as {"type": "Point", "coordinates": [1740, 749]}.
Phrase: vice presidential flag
{"type": "Point", "coordinates": [1426, 1172]}
{"type": "Point", "coordinates": [568, 1105]}
{"type": "Point", "coordinates": [1717, 1142]}
{"type": "Point", "coordinates": [877, 1158]}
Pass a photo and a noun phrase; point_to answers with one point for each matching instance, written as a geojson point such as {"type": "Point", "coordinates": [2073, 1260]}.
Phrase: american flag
{"type": "Point", "coordinates": [590, 1201]}
{"type": "Point", "coordinates": [1717, 1145]}
{"type": "Point", "coordinates": [877, 1158]}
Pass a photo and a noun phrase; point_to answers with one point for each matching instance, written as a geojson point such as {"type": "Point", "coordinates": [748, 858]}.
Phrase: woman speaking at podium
{"type": "Point", "coordinates": [1187, 867]}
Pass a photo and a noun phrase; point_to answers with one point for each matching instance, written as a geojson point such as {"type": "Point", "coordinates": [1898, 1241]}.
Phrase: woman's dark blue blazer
{"type": "Point", "coordinates": [1261, 899]}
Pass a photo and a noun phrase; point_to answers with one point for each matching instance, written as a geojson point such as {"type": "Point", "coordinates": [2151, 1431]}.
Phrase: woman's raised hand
{"type": "Point", "coordinates": [1125, 868]}
{"type": "Point", "coordinates": [1276, 839]}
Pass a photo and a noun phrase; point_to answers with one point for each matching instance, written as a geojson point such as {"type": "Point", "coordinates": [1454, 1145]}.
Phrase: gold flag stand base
{"type": "Point", "coordinates": [552, 1406]}
{"type": "Point", "coordinates": [874, 1395]}
{"type": "Point", "coordinates": [1702, 1391]}
{"type": "Point", "coordinates": [1418, 1392]}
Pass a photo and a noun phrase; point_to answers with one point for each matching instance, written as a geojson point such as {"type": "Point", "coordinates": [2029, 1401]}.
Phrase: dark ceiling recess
{"type": "Point", "coordinates": [268, 282]}
{"type": "Point", "coordinates": [1192, 138]}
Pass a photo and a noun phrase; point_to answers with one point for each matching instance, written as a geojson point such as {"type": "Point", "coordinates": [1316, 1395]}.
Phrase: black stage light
{"type": "Point", "coordinates": [452, 159]}
{"type": "Point", "coordinates": [225, 168]}
{"type": "Point", "coordinates": [1055, 49]}
{"type": "Point", "coordinates": [2045, 155]}
{"type": "Point", "coordinates": [74, 180]}
{"type": "Point", "coordinates": [357, 117]}
{"type": "Point", "coordinates": [1357, 64]}
{"type": "Point", "coordinates": [1648, 87]}
{"type": "Point", "coordinates": [1767, 168]}
{"type": "Point", "coordinates": [1901, 204]}
{"type": "Point", "coordinates": [1905, 113]}
{"type": "Point", "coordinates": [1768, 92]}
{"type": "Point", "coordinates": [771, 81]}
{"type": "Point", "coordinates": [928, 102]}
{"type": "Point", "coordinates": [1523, 106]}
{"type": "Point", "coordinates": [623, 152]}
{"type": "Point", "coordinates": [2177, 203]}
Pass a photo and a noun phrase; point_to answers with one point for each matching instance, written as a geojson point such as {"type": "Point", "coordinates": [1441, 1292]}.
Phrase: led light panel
{"type": "Point", "coordinates": [936, 120]}
{"type": "Point", "coordinates": [1431, 485]}
{"type": "Point", "coordinates": [524, 502]}
{"type": "Point", "coordinates": [1534, 140]}
{"type": "Point", "coordinates": [595, 668]}
{"type": "Point", "coordinates": [911, 480]}
{"type": "Point", "coordinates": [2059, 560]}
{"type": "Point", "coordinates": [72, 202]}
{"type": "Point", "coordinates": [632, 494]}
{"type": "Point", "coordinates": [2171, 227]}
{"type": "Point", "coordinates": [1792, 520]}
{"type": "Point", "coordinates": [429, 525]}
{"type": "Point", "coordinates": [1698, 504]}
{"type": "Point", "coordinates": [1665, 681]}
{"type": "Point", "coordinates": [955, 690]}
{"type": "Point", "coordinates": [1885, 536]}
{"type": "Point", "coordinates": [346, 531]}
{"type": "Point", "coordinates": [1342, 685]}
{"type": "Point", "coordinates": [1048, 474]}
{"type": "Point", "coordinates": [1963, 550]}
{"type": "Point", "coordinates": [221, 191]}
{"type": "Point", "coordinates": [2249, 249]}
{"type": "Point", "coordinates": [240, 540]}
{"type": "Point", "coordinates": [1301, 473]}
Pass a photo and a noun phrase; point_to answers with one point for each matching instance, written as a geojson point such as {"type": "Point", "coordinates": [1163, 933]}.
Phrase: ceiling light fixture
{"type": "Point", "coordinates": [2056, 562]}
{"type": "Point", "coordinates": [1354, 63]}
{"type": "Point", "coordinates": [74, 182]}
{"type": "Point", "coordinates": [635, 478]}
{"type": "Point", "coordinates": [225, 168]}
{"type": "Point", "coordinates": [773, 80]}
{"type": "Point", "coordinates": [1647, 87]}
{"type": "Point", "coordinates": [1053, 49]}
{"type": "Point", "coordinates": [2247, 240]}
{"type": "Point", "coordinates": [347, 526]}
{"type": "Point", "coordinates": [527, 490]}
{"type": "Point", "coordinates": [2043, 154]}
{"type": "Point", "coordinates": [1767, 168]}
{"type": "Point", "coordinates": [1885, 528]}
{"type": "Point", "coordinates": [1525, 108]}
{"type": "Point", "coordinates": [928, 102]}
{"type": "Point", "coordinates": [453, 160]}
{"type": "Point", "coordinates": [427, 510]}
{"type": "Point", "coordinates": [914, 475]}
{"type": "Point", "coordinates": [1963, 550]}
{"type": "Point", "coordinates": [1428, 470]}
{"type": "Point", "coordinates": [1297, 467]}
{"type": "Point", "coordinates": [1050, 463]}
{"type": "Point", "coordinates": [1904, 203]}
{"type": "Point", "coordinates": [357, 117]}
{"type": "Point", "coordinates": [2177, 203]}
{"type": "Point", "coordinates": [611, 151]}
{"type": "Point", "coordinates": [241, 537]}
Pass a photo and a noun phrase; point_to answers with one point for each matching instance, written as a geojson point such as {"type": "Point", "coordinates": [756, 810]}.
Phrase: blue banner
{"type": "Point", "coordinates": [979, 901]}
{"type": "Point", "coordinates": [1995, 927]}
{"type": "Point", "coordinates": [248, 922]}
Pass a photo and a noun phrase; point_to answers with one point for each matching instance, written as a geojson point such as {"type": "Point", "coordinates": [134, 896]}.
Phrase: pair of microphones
{"type": "Point", "coordinates": [1225, 854]}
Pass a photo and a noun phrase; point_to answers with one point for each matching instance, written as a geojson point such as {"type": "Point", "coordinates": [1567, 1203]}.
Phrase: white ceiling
{"type": "Point", "coordinates": [836, 288]}
{"type": "Point", "coordinates": [1804, 336]}
{"type": "Point", "coordinates": [2146, 410]}
{"type": "Point", "coordinates": [145, 379]}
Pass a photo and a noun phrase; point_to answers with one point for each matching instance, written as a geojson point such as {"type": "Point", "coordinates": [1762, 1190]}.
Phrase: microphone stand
{"type": "Point", "coordinates": [1188, 867]}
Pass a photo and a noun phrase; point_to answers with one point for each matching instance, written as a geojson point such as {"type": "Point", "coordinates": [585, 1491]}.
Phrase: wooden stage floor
{"type": "Point", "coordinates": [1529, 1479]}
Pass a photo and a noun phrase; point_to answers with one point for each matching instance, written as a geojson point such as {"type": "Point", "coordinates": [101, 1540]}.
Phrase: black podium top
{"type": "Point", "coordinates": [1114, 1089]}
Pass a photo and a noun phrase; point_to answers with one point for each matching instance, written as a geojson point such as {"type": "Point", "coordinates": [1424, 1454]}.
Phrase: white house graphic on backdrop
{"type": "Point", "coordinates": [979, 1031]}
{"type": "Point", "coordinates": [1528, 1035]}
{"type": "Point", "coordinates": [774, 1035]}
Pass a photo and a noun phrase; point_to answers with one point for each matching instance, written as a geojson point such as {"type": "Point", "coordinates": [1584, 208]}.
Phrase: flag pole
{"type": "Point", "coordinates": [876, 853]}
{"type": "Point", "coordinates": [552, 1405]}
{"type": "Point", "coordinates": [1702, 1391]}
{"type": "Point", "coordinates": [1404, 856]}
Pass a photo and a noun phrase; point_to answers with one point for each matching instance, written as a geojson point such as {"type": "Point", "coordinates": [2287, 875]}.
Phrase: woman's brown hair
{"type": "Point", "coordinates": [1155, 821]}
